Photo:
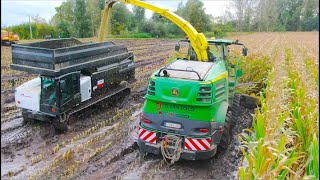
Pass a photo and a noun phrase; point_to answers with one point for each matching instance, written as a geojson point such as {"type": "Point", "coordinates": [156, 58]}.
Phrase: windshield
{"type": "Point", "coordinates": [216, 51]}
{"type": "Point", "coordinates": [49, 91]}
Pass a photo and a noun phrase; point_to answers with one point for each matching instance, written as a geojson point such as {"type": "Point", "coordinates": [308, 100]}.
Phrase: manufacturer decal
{"type": "Point", "coordinates": [26, 96]}
{"type": "Point", "coordinates": [175, 92]}
{"type": "Point", "coordinates": [178, 107]}
{"type": "Point", "coordinates": [159, 106]}
{"type": "Point", "coordinates": [100, 83]}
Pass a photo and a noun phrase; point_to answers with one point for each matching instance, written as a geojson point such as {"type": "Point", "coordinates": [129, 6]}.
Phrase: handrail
{"type": "Point", "coordinates": [179, 70]}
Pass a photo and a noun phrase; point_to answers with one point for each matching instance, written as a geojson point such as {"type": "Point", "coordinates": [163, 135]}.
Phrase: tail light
{"type": "Point", "coordinates": [204, 130]}
{"type": "Point", "coordinates": [146, 121]}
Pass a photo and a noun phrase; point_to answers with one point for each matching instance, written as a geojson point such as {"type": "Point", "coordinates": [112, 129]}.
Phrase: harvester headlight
{"type": "Point", "coordinates": [146, 121]}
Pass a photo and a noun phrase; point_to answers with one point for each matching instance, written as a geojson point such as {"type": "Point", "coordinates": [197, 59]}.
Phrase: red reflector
{"type": "Point", "coordinates": [220, 130]}
{"type": "Point", "coordinates": [204, 130]}
{"type": "Point", "coordinates": [53, 109]}
{"type": "Point", "coordinates": [100, 85]}
{"type": "Point", "coordinates": [147, 121]}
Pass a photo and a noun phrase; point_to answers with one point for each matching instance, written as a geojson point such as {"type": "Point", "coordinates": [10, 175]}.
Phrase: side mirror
{"type": "Point", "coordinates": [177, 47]}
{"type": "Point", "coordinates": [245, 51]}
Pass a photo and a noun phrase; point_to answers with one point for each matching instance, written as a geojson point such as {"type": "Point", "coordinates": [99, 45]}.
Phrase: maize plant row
{"type": "Point", "coordinates": [37, 159]}
{"type": "Point", "coordinates": [283, 145]}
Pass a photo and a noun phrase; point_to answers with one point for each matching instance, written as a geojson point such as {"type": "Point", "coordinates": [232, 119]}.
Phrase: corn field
{"type": "Point", "coordinates": [283, 140]}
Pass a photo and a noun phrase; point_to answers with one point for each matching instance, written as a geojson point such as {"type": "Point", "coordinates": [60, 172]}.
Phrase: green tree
{"type": "Point", "coordinates": [120, 18]}
{"type": "Point", "coordinates": [194, 12]}
{"type": "Point", "coordinates": [82, 20]}
{"type": "Point", "coordinates": [290, 12]}
{"type": "Point", "coordinates": [94, 12]}
{"type": "Point", "coordinates": [64, 19]}
{"type": "Point", "coordinates": [138, 13]}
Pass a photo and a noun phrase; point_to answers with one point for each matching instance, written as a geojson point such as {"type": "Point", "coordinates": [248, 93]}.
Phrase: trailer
{"type": "Point", "coordinates": [73, 76]}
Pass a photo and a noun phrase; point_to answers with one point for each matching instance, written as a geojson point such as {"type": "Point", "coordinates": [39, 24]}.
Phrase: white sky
{"type": "Point", "coordinates": [17, 11]}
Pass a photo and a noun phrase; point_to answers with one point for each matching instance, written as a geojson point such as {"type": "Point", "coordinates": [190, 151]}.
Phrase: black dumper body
{"type": "Point", "coordinates": [65, 61]}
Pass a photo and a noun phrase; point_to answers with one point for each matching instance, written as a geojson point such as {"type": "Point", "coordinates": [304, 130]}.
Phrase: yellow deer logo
{"type": "Point", "coordinates": [175, 92]}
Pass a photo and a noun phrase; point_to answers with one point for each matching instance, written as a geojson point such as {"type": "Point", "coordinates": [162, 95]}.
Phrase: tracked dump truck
{"type": "Point", "coordinates": [190, 105]}
{"type": "Point", "coordinates": [73, 76]}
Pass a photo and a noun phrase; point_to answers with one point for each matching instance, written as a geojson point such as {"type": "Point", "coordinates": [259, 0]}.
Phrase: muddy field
{"type": "Point", "coordinates": [101, 141]}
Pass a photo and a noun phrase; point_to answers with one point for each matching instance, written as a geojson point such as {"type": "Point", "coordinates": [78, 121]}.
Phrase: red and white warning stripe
{"type": "Point", "coordinates": [147, 136]}
{"type": "Point", "coordinates": [197, 144]}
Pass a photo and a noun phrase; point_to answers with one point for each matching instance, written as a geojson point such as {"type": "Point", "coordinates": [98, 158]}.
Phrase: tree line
{"type": "Point", "coordinates": [273, 15]}
{"type": "Point", "coordinates": [39, 28]}
{"type": "Point", "coordinates": [81, 19]}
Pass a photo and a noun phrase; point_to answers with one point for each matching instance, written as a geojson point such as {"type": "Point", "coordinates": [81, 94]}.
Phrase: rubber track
{"type": "Point", "coordinates": [227, 129]}
{"type": "Point", "coordinates": [235, 109]}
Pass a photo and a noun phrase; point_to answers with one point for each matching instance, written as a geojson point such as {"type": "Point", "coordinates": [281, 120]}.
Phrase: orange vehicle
{"type": "Point", "coordinates": [8, 38]}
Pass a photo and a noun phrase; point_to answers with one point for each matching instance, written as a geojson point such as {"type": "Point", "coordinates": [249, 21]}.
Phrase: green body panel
{"type": "Point", "coordinates": [185, 104]}
{"type": "Point", "coordinates": [200, 113]}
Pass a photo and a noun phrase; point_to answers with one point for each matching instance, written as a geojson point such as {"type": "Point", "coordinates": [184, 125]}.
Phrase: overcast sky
{"type": "Point", "coordinates": [17, 11]}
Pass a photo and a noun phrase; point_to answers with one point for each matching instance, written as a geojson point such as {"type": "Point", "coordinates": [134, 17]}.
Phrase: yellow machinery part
{"type": "Point", "coordinates": [198, 41]}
